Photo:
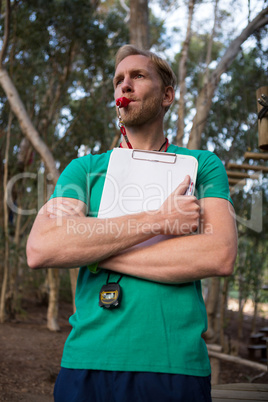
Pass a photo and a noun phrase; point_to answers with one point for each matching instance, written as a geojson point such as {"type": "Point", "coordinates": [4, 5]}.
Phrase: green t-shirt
{"type": "Point", "coordinates": [157, 327]}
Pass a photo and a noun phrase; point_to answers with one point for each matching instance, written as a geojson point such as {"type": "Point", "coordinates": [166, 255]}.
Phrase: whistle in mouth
{"type": "Point", "coordinates": [122, 102]}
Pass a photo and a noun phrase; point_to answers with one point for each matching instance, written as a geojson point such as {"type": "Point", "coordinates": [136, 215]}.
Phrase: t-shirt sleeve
{"type": "Point", "coordinates": [212, 180]}
{"type": "Point", "coordinates": [72, 183]}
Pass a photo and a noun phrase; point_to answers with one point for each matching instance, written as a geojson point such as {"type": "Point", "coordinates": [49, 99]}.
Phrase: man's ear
{"type": "Point", "coordinates": [168, 96]}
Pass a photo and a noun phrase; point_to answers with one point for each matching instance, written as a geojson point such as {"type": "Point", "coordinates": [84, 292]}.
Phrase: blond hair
{"type": "Point", "coordinates": [162, 67]}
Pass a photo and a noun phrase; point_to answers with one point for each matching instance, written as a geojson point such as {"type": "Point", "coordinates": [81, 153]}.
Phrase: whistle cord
{"type": "Point", "coordinates": [166, 143]}
{"type": "Point", "coordinates": [123, 131]}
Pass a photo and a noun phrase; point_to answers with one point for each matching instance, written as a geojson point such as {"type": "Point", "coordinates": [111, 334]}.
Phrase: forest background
{"type": "Point", "coordinates": [56, 104]}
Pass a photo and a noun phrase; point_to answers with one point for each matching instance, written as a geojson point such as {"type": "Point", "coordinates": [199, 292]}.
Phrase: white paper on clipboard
{"type": "Point", "coordinates": [139, 180]}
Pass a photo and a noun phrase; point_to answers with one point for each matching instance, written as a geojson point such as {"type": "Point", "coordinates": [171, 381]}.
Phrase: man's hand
{"type": "Point", "coordinates": [180, 212]}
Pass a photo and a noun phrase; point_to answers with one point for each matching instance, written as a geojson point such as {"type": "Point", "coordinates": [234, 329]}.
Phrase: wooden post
{"type": "Point", "coordinates": [235, 182]}
{"type": "Point", "coordinates": [215, 363]}
{"type": "Point", "coordinates": [256, 156]}
{"type": "Point", "coordinates": [241, 175]}
{"type": "Point", "coordinates": [246, 166]}
{"type": "Point", "coordinates": [262, 123]}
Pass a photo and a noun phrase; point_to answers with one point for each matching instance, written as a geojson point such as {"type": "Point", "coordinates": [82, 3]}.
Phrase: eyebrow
{"type": "Point", "coordinates": [132, 72]}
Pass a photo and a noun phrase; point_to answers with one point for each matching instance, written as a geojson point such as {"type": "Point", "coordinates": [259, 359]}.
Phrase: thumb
{"type": "Point", "coordinates": [181, 189]}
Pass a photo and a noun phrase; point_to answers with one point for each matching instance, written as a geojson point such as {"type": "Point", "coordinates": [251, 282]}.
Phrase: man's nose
{"type": "Point", "coordinates": [127, 85]}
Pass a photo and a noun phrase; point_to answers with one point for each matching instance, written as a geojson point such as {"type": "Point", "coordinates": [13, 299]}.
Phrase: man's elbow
{"type": "Point", "coordinates": [33, 256]}
{"type": "Point", "coordinates": [227, 261]}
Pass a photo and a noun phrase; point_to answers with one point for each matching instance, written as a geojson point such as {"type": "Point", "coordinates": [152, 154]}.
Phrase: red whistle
{"type": "Point", "coordinates": [122, 102]}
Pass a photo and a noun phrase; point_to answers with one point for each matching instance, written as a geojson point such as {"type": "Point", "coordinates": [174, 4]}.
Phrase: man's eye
{"type": "Point", "coordinates": [118, 82]}
{"type": "Point", "coordinates": [139, 76]}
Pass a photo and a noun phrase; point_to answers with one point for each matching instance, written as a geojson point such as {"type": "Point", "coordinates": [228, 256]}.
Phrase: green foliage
{"type": "Point", "coordinates": [157, 33]}
{"type": "Point", "coordinates": [233, 117]}
{"type": "Point", "coordinates": [64, 51]}
{"type": "Point", "coordinates": [250, 269]}
{"type": "Point", "coordinates": [61, 59]}
{"type": "Point", "coordinates": [196, 65]}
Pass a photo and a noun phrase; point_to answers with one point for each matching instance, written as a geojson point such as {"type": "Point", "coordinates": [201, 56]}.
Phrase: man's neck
{"type": "Point", "coordinates": [147, 138]}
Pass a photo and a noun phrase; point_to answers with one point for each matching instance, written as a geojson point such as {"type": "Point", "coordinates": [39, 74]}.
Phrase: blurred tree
{"type": "Point", "coordinates": [205, 51]}
{"type": "Point", "coordinates": [244, 75]}
{"type": "Point", "coordinates": [204, 100]}
{"type": "Point", "coordinates": [59, 86]}
{"type": "Point", "coordinates": [250, 267]}
{"type": "Point", "coordinates": [182, 74]}
{"type": "Point", "coordinates": [139, 23]}
{"type": "Point", "coordinates": [59, 66]}
{"type": "Point", "coordinates": [233, 116]}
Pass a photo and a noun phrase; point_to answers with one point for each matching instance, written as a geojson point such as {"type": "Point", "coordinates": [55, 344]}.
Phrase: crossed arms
{"type": "Point", "coordinates": [62, 236]}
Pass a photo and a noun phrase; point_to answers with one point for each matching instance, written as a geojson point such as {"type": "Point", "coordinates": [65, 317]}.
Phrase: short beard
{"type": "Point", "coordinates": [146, 112]}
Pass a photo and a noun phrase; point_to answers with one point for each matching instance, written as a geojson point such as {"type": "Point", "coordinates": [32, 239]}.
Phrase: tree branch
{"type": "Point", "coordinates": [62, 81]}
{"type": "Point", "coordinates": [234, 48]}
{"type": "Point", "coordinates": [6, 33]}
{"type": "Point", "coordinates": [210, 43]}
{"type": "Point", "coordinates": [182, 75]}
{"type": "Point", "coordinates": [127, 9]}
{"type": "Point", "coordinates": [26, 125]}
{"type": "Point", "coordinates": [204, 99]}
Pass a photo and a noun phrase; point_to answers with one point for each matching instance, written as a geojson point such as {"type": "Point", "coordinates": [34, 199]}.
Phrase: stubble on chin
{"type": "Point", "coordinates": [142, 113]}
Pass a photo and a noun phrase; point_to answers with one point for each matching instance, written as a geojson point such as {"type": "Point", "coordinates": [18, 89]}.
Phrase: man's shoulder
{"type": "Point", "coordinates": [199, 154]}
{"type": "Point", "coordinates": [89, 159]}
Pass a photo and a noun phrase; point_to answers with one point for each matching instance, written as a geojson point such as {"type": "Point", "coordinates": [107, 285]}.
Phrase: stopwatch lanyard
{"type": "Point", "coordinates": [108, 277]}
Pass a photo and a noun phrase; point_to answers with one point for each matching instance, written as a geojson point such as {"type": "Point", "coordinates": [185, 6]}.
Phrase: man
{"type": "Point", "coordinates": [150, 348]}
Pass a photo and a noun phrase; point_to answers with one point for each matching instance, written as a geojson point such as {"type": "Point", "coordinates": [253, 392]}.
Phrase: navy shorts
{"type": "Point", "coordinates": [73, 385]}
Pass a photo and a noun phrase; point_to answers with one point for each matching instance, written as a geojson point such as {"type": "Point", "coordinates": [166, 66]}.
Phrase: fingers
{"type": "Point", "coordinates": [182, 188]}
{"type": "Point", "coordinates": [180, 211]}
{"type": "Point", "coordinates": [64, 208]}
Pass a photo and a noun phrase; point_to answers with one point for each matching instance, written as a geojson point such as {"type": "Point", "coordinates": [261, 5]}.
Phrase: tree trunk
{"type": "Point", "coordinates": [26, 125]}
{"type": "Point", "coordinates": [115, 139]}
{"type": "Point", "coordinates": [32, 135]}
{"type": "Point", "coordinates": [182, 75]}
{"type": "Point", "coordinates": [210, 43]}
{"type": "Point", "coordinates": [223, 308]}
{"type": "Point", "coordinates": [6, 256]}
{"type": "Point", "coordinates": [254, 318]}
{"type": "Point", "coordinates": [73, 276]}
{"type": "Point", "coordinates": [240, 319]}
{"type": "Point", "coordinates": [53, 299]}
{"type": "Point", "coordinates": [14, 271]}
{"type": "Point", "coordinates": [53, 280]}
{"type": "Point", "coordinates": [212, 304]}
{"type": "Point", "coordinates": [6, 31]}
{"type": "Point", "coordinates": [139, 24]}
{"type": "Point", "coordinates": [204, 99]}
{"type": "Point", "coordinates": [1, 191]}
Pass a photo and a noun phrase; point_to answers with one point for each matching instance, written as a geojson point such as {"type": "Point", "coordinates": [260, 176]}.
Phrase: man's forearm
{"type": "Point", "coordinates": [212, 252]}
{"type": "Point", "coordinates": [63, 237]}
{"type": "Point", "coordinates": [178, 260]}
{"type": "Point", "coordinates": [79, 241]}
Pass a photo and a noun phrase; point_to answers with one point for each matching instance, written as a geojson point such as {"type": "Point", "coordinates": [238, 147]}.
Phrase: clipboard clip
{"type": "Point", "coordinates": [154, 156]}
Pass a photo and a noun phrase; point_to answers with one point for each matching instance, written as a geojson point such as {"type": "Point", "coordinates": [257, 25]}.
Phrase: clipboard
{"type": "Point", "coordinates": [138, 180]}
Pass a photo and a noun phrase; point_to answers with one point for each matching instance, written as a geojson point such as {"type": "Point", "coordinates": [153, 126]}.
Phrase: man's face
{"type": "Point", "coordinates": [136, 78]}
